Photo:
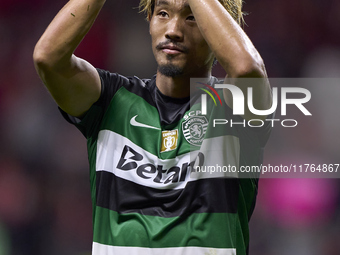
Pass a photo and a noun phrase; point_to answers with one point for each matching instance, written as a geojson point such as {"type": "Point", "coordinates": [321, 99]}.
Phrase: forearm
{"type": "Point", "coordinates": [229, 43]}
{"type": "Point", "coordinates": [73, 82]}
{"type": "Point", "coordinates": [65, 32]}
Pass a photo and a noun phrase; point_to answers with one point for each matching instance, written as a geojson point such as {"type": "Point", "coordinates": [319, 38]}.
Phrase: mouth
{"type": "Point", "coordinates": [171, 49]}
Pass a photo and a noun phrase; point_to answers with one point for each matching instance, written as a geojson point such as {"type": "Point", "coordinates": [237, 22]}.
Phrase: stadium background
{"type": "Point", "coordinates": [45, 203]}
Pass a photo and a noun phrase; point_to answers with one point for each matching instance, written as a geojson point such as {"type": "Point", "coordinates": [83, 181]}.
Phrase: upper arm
{"type": "Point", "coordinates": [75, 85]}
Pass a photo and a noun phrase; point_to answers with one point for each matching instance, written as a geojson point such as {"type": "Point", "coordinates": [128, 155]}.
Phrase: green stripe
{"type": "Point", "coordinates": [124, 106]}
{"type": "Point", "coordinates": [202, 230]}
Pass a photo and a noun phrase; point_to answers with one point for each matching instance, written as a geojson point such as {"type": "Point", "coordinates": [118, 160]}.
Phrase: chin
{"type": "Point", "coordinates": [170, 70]}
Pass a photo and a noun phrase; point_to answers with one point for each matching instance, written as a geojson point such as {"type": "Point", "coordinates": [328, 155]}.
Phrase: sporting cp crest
{"type": "Point", "coordinates": [194, 129]}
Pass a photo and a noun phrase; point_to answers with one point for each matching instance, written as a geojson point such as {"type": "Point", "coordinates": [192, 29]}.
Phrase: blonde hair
{"type": "Point", "coordinates": [234, 7]}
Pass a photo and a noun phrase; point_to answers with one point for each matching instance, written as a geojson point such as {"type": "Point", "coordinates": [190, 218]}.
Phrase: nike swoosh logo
{"type": "Point", "coordinates": [133, 122]}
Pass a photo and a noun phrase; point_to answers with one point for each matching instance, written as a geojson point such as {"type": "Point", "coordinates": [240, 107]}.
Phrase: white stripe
{"type": "Point", "coordinates": [101, 249]}
{"type": "Point", "coordinates": [219, 151]}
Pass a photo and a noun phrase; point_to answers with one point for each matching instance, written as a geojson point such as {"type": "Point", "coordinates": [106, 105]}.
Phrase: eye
{"type": "Point", "coordinates": [163, 14]}
{"type": "Point", "coordinates": [191, 18]}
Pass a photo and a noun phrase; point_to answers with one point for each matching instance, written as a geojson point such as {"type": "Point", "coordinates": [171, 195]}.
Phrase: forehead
{"type": "Point", "coordinates": [178, 4]}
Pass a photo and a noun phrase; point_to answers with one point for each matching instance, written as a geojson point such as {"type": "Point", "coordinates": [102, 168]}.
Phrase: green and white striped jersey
{"type": "Point", "coordinates": [148, 197]}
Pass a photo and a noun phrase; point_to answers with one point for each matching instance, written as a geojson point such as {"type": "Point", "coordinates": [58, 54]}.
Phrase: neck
{"type": "Point", "coordinates": [177, 87]}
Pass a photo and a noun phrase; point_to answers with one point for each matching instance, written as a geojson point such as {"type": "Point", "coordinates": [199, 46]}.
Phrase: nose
{"type": "Point", "coordinates": [174, 30]}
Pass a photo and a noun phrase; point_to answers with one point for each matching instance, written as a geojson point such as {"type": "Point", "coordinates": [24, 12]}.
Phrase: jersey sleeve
{"type": "Point", "coordinates": [90, 122]}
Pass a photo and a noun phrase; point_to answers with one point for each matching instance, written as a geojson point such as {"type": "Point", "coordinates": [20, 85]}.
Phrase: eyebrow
{"type": "Point", "coordinates": [161, 2]}
{"type": "Point", "coordinates": [165, 2]}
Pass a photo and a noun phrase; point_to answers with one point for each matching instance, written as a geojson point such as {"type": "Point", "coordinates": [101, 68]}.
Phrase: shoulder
{"type": "Point", "coordinates": [116, 80]}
